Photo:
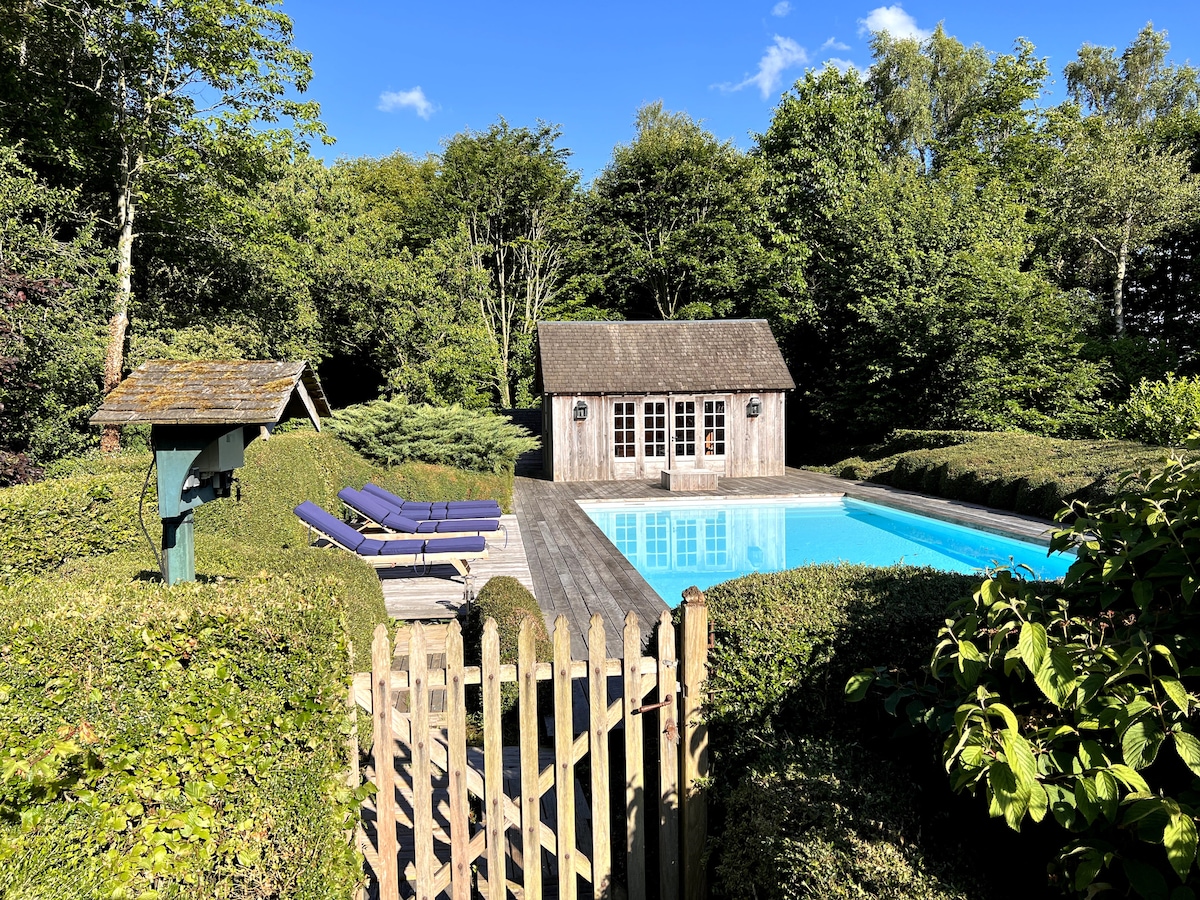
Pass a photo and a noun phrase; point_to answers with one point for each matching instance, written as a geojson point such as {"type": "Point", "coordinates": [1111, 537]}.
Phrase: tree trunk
{"type": "Point", "coordinates": [118, 323]}
{"type": "Point", "coordinates": [1119, 279]}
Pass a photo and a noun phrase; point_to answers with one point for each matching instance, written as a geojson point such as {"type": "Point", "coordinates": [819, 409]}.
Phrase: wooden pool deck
{"type": "Point", "coordinates": [573, 570]}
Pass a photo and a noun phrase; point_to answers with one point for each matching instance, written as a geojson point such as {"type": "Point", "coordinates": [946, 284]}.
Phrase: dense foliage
{"type": "Point", "coordinates": [392, 431]}
{"type": "Point", "coordinates": [811, 800]}
{"type": "Point", "coordinates": [188, 741]}
{"type": "Point", "coordinates": [1158, 412]}
{"type": "Point", "coordinates": [510, 603]}
{"type": "Point", "coordinates": [931, 247]}
{"type": "Point", "coordinates": [1006, 470]}
{"type": "Point", "coordinates": [1072, 702]}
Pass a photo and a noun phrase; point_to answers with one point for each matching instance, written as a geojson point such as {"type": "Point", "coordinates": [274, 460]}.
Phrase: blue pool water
{"type": "Point", "coordinates": [676, 545]}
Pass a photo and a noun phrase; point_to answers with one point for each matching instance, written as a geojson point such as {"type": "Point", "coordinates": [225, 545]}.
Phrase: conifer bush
{"type": "Point", "coordinates": [393, 431]}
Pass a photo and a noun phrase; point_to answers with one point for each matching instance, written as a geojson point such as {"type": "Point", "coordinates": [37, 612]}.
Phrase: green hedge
{"type": "Point", "coordinates": [509, 602]}
{"type": "Point", "coordinates": [814, 798]}
{"type": "Point", "coordinates": [173, 742]}
{"type": "Point", "coordinates": [1007, 470]}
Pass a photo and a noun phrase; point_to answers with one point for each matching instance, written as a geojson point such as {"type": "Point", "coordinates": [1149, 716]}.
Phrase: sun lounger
{"type": "Point", "coordinates": [379, 512]}
{"type": "Point", "coordinates": [446, 509]}
{"type": "Point", "coordinates": [418, 551]}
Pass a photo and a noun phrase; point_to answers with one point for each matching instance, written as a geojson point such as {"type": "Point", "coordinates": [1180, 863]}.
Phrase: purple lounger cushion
{"type": "Point", "coordinates": [378, 511]}
{"type": "Point", "coordinates": [329, 525]}
{"type": "Point", "coordinates": [400, 503]}
{"type": "Point", "coordinates": [460, 525]}
{"type": "Point", "coordinates": [401, 547]}
{"type": "Point", "coordinates": [456, 545]}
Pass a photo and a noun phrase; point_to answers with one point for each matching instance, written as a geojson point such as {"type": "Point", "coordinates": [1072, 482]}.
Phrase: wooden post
{"type": "Point", "coordinates": [635, 781]}
{"type": "Point", "coordinates": [493, 761]}
{"type": "Point", "coordinates": [602, 888]}
{"type": "Point", "coordinates": [564, 764]}
{"type": "Point", "coordinates": [694, 758]}
{"type": "Point", "coordinates": [456, 734]}
{"type": "Point", "coordinates": [531, 795]}
{"type": "Point", "coordinates": [422, 770]}
{"type": "Point", "coordinates": [668, 761]}
{"type": "Point", "coordinates": [385, 763]}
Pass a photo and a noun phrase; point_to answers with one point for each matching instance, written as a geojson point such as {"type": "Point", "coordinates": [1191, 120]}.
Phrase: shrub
{"type": "Point", "coordinates": [812, 798]}
{"type": "Point", "coordinates": [1026, 473]}
{"type": "Point", "coordinates": [1074, 703]}
{"type": "Point", "coordinates": [509, 602]}
{"type": "Point", "coordinates": [1158, 412]}
{"type": "Point", "coordinates": [392, 431]}
{"type": "Point", "coordinates": [182, 741]}
{"type": "Point", "coordinates": [820, 818]}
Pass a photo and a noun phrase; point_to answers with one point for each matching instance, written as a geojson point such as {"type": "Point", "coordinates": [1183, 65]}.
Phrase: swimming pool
{"type": "Point", "coordinates": [676, 544]}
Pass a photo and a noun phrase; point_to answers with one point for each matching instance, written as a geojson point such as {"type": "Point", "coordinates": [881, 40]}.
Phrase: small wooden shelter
{"type": "Point", "coordinates": [203, 414]}
{"type": "Point", "coordinates": [631, 400]}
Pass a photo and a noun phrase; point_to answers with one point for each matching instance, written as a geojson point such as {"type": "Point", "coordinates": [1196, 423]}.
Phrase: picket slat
{"type": "Point", "coordinates": [493, 761]}
{"type": "Point", "coordinates": [531, 798]}
{"type": "Point", "coordinates": [635, 778]}
{"type": "Point", "coordinates": [456, 736]}
{"type": "Point", "coordinates": [564, 790]}
{"type": "Point", "coordinates": [388, 874]}
{"type": "Point", "coordinates": [422, 789]}
{"type": "Point", "coordinates": [693, 813]}
{"type": "Point", "coordinates": [668, 762]}
{"type": "Point", "coordinates": [598, 730]}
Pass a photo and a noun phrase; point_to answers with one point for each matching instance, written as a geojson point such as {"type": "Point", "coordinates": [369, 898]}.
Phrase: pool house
{"type": "Point", "coordinates": [635, 400]}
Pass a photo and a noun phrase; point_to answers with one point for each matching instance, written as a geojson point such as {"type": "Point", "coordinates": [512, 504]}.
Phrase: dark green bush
{"type": "Point", "coordinates": [821, 818]}
{"type": "Point", "coordinates": [1007, 470]}
{"type": "Point", "coordinates": [814, 798]}
{"type": "Point", "coordinates": [392, 431]}
{"type": "Point", "coordinates": [184, 741]}
{"type": "Point", "coordinates": [1158, 412]}
{"type": "Point", "coordinates": [509, 602]}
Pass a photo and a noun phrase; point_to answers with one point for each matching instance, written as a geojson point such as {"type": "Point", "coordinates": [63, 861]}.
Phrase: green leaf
{"type": "Point", "coordinates": [1175, 690]}
{"type": "Point", "coordinates": [1179, 837]}
{"type": "Point", "coordinates": [1140, 743]}
{"type": "Point", "coordinates": [1020, 756]}
{"type": "Point", "coordinates": [1188, 748]}
{"type": "Point", "coordinates": [1032, 645]}
{"type": "Point", "coordinates": [859, 684]}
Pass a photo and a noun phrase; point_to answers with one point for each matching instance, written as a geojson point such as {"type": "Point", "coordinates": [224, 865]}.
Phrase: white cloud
{"type": "Point", "coordinates": [782, 55]}
{"type": "Point", "coordinates": [834, 44]}
{"type": "Point", "coordinates": [895, 21]}
{"type": "Point", "coordinates": [840, 64]}
{"type": "Point", "coordinates": [781, 9]}
{"type": "Point", "coordinates": [390, 101]}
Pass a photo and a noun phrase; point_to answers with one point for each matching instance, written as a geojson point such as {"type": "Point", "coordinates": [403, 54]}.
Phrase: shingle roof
{"type": "Point", "coordinates": [212, 392]}
{"type": "Point", "coordinates": [660, 357]}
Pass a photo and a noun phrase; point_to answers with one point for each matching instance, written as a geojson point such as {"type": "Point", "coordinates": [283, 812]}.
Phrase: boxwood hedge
{"type": "Point", "coordinates": [1005, 470]}
{"type": "Point", "coordinates": [812, 797]}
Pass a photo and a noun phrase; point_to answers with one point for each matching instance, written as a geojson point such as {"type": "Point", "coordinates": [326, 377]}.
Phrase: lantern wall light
{"type": "Point", "coordinates": [581, 411]}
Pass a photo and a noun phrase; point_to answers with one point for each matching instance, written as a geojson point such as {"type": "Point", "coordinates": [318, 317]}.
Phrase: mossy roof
{"type": "Point", "coordinates": [215, 392]}
{"type": "Point", "coordinates": [660, 357]}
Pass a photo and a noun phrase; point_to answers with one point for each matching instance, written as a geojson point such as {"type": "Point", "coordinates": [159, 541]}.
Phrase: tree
{"type": "Point", "coordinates": [513, 192]}
{"type": "Point", "coordinates": [674, 221]}
{"type": "Point", "coordinates": [1121, 187]}
{"type": "Point", "coordinates": [168, 75]}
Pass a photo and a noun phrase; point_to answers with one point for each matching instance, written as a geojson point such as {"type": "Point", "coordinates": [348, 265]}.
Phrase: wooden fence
{"type": "Point", "coordinates": [536, 820]}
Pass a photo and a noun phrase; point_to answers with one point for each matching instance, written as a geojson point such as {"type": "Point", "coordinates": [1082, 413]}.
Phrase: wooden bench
{"type": "Point", "coordinates": [689, 480]}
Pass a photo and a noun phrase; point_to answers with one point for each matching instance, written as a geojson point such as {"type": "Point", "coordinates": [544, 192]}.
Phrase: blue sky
{"type": "Point", "coordinates": [404, 76]}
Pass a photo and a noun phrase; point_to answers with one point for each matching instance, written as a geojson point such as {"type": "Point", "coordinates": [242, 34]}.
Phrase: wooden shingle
{"type": "Point", "coordinates": [660, 357]}
{"type": "Point", "coordinates": [215, 392]}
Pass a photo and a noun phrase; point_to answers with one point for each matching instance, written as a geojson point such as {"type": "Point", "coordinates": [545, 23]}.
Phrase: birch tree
{"type": "Point", "coordinates": [512, 190]}
{"type": "Point", "coordinates": [168, 76]}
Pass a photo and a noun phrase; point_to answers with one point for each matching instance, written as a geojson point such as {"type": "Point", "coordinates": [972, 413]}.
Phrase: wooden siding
{"type": "Point", "coordinates": [584, 451]}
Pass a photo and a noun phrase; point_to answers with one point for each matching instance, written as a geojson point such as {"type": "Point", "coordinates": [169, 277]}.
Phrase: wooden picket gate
{"type": "Point", "coordinates": [454, 828]}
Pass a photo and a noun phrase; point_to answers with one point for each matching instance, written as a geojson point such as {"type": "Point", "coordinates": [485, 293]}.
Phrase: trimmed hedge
{"type": "Point", "coordinates": [813, 798]}
{"type": "Point", "coordinates": [509, 602]}
{"type": "Point", "coordinates": [183, 741]}
{"type": "Point", "coordinates": [1006, 470]}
